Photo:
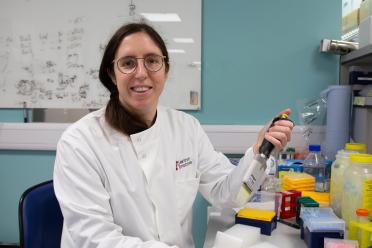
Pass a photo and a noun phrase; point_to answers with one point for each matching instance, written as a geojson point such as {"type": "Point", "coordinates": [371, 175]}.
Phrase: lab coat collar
{"type": "Point", "coordinates": [116, 136]}
{"type": "Point", "coordinates": [150, 132]}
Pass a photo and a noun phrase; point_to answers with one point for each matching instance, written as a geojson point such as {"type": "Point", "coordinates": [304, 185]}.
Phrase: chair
{"type": "Point", "coordinates": [40, 217]}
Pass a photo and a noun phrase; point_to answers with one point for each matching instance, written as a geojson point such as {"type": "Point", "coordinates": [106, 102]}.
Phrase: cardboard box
{"type": "Point", "coordinates": [350, 21]}
{"type": "Point", "coordinates": [365, 10]}
{"type": "Point", "coordinates": [349, 6]}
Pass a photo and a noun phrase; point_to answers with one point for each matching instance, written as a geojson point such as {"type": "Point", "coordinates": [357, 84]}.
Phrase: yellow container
{"type": "Point", "coordinates": [337, 173]}
{"type": "Point", "coordinates": [355, 147]}
{"type": "Point", "coordinates": [256, 214]}
{"type": "Point", "coordinates": [297, 178]}
{"type": "Point", "coordinates": [357, 190]}
{"type": "Point", "coordinates": [298, 181]}
{"type": "Point", "coordinates": [361, 232]}
{"type": "Point", "coordinates": [321, 197]}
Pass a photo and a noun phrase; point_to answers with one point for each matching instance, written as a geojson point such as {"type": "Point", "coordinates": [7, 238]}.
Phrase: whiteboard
{"type": "Point", "coordinates": [50, 50]}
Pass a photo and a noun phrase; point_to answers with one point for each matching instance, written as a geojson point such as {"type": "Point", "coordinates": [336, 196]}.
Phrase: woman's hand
{"type": "Point", "coordinates": [279, 134]}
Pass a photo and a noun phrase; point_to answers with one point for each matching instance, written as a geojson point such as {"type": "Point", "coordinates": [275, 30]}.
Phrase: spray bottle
{"type": "Point", "coordinates": [256, 171]}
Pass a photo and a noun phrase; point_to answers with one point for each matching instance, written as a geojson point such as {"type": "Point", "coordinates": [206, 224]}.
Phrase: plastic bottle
{"type": "Point", "coordinates": [328, 168]}
{"type": "Point", "coordinates": [314, 164]}
{"type": "Point", "coordinates": [291, 152]}
{"type": "Point", "coordinates": [355, 147]}
{"type": "Point", "coordinates": [362, 217]}
{"type": "Point", "coordinates": [337, 173]}
{"type": "Point", "coordinates": [357, 191]}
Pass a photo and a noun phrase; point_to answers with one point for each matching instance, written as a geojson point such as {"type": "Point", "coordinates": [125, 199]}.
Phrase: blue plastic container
{"type": "Point", "coordinates": [294, 165]}
{"type": "Point", "coordinates": [320, 223]}
{"type": "Point", "coordinates": [315, 239]}
{"type": "Point", "coordinates": [289, 165]}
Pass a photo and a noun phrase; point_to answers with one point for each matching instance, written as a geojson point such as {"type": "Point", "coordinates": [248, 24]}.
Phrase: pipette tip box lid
{"type": "Point", "coordinates": [318, 223]}
{"type": "Point", "coordinates": [321, 219]}
{"type": "Point", "coordinates": [264, 219]}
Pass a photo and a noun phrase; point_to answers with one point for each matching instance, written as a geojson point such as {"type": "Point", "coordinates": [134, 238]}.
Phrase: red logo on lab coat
{"type": "Point", "coordinates": [180, 164]}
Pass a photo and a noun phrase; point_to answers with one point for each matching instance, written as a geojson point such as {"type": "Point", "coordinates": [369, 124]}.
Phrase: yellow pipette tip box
{"type": "Point", "coordinates": [323, 198]}
{"type": "Point", "coordinates": [264, 219]}
{"type": "Point", "coordinates": [256, 214]}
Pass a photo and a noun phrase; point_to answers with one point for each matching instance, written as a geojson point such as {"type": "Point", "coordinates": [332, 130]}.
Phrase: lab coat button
{"type": "Point", "coordinates": [138, 139]}
{"type": "Point", "coordinates": [143, 156]}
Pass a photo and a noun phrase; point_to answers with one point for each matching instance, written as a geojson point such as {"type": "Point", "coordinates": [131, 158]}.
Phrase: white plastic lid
{"type": "Point", "coordinates": [344, 154]}
{"type": "Point", "coordinates": [321, 219]}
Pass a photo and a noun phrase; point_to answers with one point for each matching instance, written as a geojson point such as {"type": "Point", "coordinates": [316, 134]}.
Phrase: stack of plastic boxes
{"type": "Point", "coordinates": [318, 223]}
{"type": "Point", "coordinates": [290, 166]}
{"type": "Point", "coordinates": [289, 203]}
{"type": "Point", "coordinates": [262, 210]}
{"type": "Point", "coordinates": [265, 201]}
{"type": "Point", "coordinates": [304, 202]}
{"type": "Point", "coordinates": [298, 181]}
{"type": "Point", "coordinates": [263, 219]}
{"type": "Point", "coordinates": [322, 198]}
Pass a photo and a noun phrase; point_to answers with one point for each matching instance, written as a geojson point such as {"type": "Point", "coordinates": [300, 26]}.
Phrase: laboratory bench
{"type": "Point", "coordinates": [283, 236]}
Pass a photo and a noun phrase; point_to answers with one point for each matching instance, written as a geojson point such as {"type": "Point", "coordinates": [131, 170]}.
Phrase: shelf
{"type": "Point", "coordinates": [363, 101]}
{"type": "Point", "coordinates": [351, 35]}
{"type": "Point", "coordinates": [361, 128]}
{"type": "Point", "coordinates": [362, 56]}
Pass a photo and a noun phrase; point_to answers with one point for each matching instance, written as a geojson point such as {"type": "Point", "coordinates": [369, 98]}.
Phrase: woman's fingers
{"type": "Point", "coordinates": [277, 144]}
{"type": "Point", "coordinates": [287, 130]}
{"type": "Point", "coordinates": [278, 139]}
{"type": "Point", "coordinates": [279, 134]}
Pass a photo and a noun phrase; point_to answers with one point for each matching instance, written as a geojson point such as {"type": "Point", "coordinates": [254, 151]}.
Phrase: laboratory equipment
{"type": "Point", "coordinates": [314, 164]}
{"type": "Point", "coordinates": [338, 118]}
{"type": "Point", "coordinates": [318, 223]}
{"type": "Point", "coordinates": [357, 186]}
{"type": "Point", "coordinates": [237, 236]}
{"type": "Point", "coordinates": [263, 219]}
{"type": "Point", "coordinates": [298, 181]}
{"type": "Point", "coordinates": [337, 173]}
{"type": "Point", "coordinates": [256, 171]}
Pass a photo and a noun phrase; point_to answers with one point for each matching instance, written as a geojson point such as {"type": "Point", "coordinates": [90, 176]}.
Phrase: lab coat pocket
{"type": "Point", "coordinates": [186, 191]}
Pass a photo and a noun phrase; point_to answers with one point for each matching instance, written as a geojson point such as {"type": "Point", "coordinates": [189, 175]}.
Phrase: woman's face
{"type": "Point", "coordinates": [140, 90]}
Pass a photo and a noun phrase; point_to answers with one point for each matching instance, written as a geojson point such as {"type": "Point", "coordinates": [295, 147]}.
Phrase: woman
{"type": "Point", "coordinates": [127, 175]}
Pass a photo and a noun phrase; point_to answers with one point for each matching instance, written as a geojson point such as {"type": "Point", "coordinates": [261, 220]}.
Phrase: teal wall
{"type": "Point", "coordinates": [18, 171]}
{"type": "Point", "coordinates": [258, 56]}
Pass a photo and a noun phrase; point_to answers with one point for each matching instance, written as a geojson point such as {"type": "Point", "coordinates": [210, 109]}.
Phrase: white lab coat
{"type": "Point", "coordinates": [138, 191]}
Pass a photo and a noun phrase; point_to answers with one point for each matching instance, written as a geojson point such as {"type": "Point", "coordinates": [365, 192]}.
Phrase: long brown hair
{"type": "Point", "coordinates": [116, 115]}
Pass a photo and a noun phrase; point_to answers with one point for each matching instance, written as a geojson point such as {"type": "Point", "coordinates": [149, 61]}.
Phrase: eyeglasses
{"type": "Point", "coordinates": [129, 64]}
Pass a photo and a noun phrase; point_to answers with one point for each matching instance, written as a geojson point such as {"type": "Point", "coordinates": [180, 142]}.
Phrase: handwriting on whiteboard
{"type": "Point", "coordinates": [49, 69]}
